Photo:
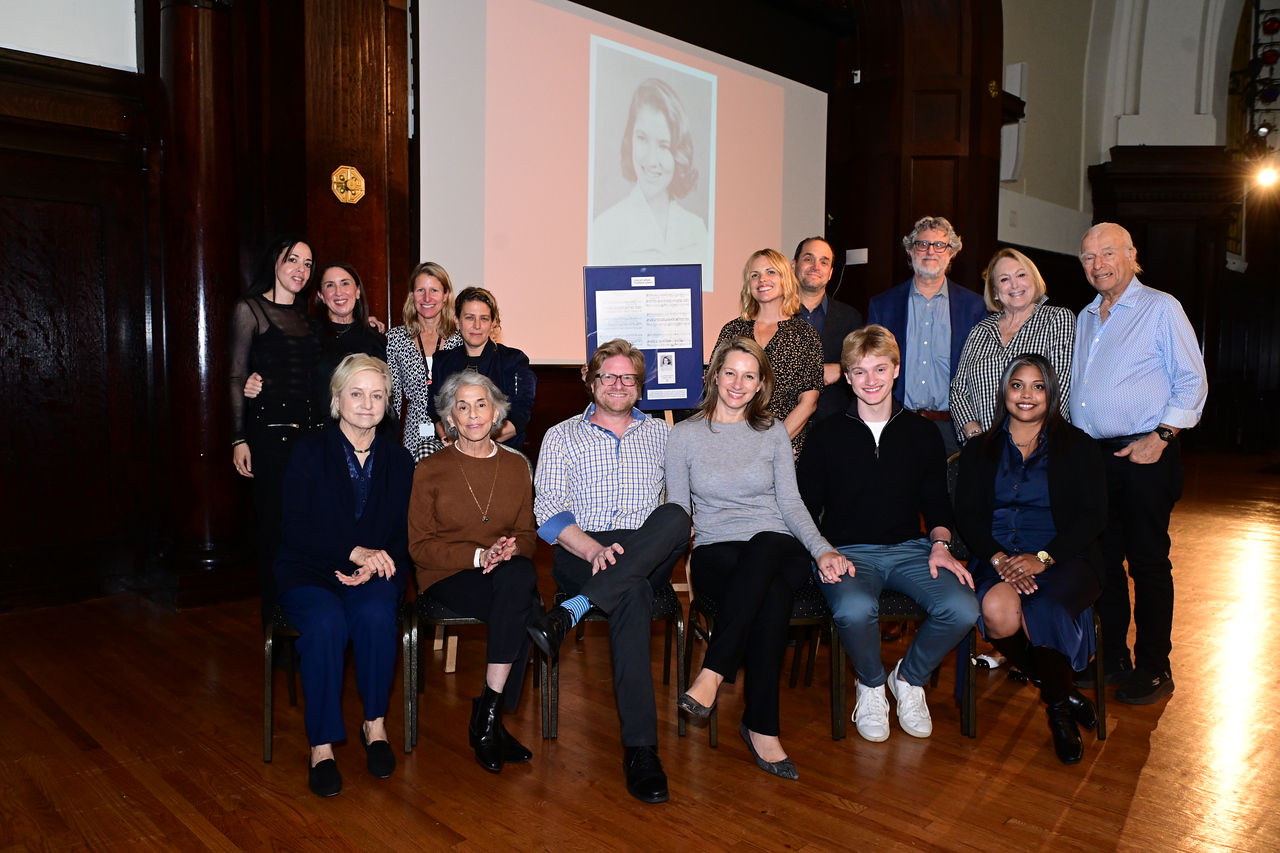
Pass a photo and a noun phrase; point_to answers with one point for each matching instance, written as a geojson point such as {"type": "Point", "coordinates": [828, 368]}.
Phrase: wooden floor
{"type": "Point", "coordinates": [124, 726]}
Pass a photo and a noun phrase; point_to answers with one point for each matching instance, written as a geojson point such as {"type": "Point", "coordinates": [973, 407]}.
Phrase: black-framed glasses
{"type": "Point", "coordinates": [627, 379]}
{"type": "Point", "coordinates": [939, 246]}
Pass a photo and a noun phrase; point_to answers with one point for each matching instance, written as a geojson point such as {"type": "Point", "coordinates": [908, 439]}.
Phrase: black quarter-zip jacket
{"type": "Point", "coordinates": [863, 494]}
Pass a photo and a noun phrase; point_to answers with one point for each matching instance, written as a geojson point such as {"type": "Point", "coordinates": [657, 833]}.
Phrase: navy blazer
{"type": "Point", "coordinates": [509, 369]}
{"type": "Point", "coordinates": [318, 516]}
{"type": "Point", "coordinates": [842, 319]}
{"type": "Point", "coordinates": [889, 309]}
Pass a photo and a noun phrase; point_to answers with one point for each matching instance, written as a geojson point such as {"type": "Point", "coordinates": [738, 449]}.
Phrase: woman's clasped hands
{"type": "Point", "coordinates": [370, 563]}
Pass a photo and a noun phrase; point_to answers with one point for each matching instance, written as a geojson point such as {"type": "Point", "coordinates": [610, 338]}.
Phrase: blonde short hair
{"type": "Point", "coordinates": [349, 367]}
{"type": "Point", "coordinates": [869, 341]}
{"type": "Point", "coordinates": [990, 293]}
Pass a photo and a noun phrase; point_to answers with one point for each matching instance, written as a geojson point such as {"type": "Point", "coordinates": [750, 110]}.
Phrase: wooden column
{"type": "Point", "coordinates": [200, 283]}
{"type": "Point", "coordinates": [919, 134]}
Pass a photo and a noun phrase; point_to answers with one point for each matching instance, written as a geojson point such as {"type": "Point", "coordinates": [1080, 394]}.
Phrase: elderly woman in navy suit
{"type": "Point", "coordinates": [343, 563]}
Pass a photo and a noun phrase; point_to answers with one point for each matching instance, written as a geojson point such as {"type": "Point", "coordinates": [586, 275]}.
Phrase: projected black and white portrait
{"type": "Point", "coordinates": [652, 160]}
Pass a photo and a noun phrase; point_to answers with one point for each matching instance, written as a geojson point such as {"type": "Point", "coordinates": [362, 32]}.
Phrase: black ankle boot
{"type": "Point", "coordinates": [486, 729]}
{"type": "Point", "coordinates": [1066, 737]}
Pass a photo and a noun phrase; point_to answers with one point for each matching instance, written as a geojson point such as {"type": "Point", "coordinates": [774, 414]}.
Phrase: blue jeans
{"type": "Point", "coordinates": [904, 567]}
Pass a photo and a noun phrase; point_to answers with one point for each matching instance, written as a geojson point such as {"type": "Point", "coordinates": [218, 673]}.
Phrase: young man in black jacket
{"type": "Point", "coordinates": [867, 477]}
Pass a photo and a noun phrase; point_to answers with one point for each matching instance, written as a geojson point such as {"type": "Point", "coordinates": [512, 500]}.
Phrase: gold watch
{"type": "Point", "coordinates": [1043, 556]}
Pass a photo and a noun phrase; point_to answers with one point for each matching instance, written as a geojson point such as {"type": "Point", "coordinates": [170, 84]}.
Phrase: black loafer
{"type": "Point", "coordinates": [645, 779]}
{"type": "Point", "coordinates": [379, 758]}
{"type": "Point", "coordinates": [784, 769]}
{"type": "Point", "coordinates": [323, 779]}
{"type": "Point", "coordinates": [549, 630]}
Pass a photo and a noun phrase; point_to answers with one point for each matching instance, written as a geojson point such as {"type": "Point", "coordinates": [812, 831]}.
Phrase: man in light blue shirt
{"type": "Point", "coordinates": [931, 317]}
{"type": "Point", "coordinates": [1138, 379]}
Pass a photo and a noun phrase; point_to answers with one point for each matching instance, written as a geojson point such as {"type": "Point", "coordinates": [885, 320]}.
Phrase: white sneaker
{"type": "Point", "coordinates": [871, 713]}
{"type": "Point", "coordinates": [913, 711]}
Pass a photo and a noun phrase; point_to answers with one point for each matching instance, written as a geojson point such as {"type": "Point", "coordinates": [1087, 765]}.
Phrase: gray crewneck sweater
{"type": "Point", "coordinates": [737, 482]}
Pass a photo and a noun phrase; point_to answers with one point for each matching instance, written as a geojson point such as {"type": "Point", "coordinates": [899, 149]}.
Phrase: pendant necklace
{"type": "Point", "coordinates": [484, 511]}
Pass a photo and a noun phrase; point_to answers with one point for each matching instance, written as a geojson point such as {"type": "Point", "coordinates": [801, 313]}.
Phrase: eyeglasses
{"type": "Point", "coordinates": [922, 246]}
{"type": "Point", "coordinates": [628, 379]}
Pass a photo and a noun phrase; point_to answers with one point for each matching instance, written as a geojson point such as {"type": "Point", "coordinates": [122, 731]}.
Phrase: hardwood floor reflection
{"type": "Point", "coordinates": [124, 726]}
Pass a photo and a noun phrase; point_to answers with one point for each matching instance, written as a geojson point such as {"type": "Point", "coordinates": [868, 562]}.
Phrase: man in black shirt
{"type": "Point", "coordinates": [867, 477]}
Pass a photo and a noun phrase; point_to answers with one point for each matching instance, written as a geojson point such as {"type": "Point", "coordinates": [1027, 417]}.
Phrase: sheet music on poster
{"type": "Point", "coordinates": [658, 309]}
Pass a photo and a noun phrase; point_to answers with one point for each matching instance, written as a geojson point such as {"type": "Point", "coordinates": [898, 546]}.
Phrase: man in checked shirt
{"type": "Point", "coordinates": [1137, 380]}
{"type": "Point", "coordinates": [600, 490]}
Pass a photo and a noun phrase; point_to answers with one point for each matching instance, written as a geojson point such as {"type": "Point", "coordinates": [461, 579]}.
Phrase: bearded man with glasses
{"type": "Point", "coordinates": [930, 317]}
{"type": "Point", "coordinates": [600, 488]}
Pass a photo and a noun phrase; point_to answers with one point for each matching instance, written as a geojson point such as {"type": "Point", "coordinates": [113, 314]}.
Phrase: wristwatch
{"type": "Point", "coordinates": [1164, 432]}
{"type": "Point", "coordinates": [945, 543]}
{"type": "Point", "coordinates": [1043, 556]}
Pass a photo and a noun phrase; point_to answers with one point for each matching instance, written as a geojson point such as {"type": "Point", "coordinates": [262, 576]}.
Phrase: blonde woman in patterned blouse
{"type": "Point", "coordinates": [1023, 325]}
{"type": "Point", "coordinates": [429, 327]}
{"type": "Point", "coordinates": [770, 303]}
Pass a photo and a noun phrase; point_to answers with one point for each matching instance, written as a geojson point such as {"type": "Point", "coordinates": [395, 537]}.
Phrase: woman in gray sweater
{"type": "Point", "coordinates": [731, 467]}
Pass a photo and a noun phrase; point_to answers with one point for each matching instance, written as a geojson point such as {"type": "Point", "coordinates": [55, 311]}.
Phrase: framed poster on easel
{"type": "Point", "coordinates": [658, 309]}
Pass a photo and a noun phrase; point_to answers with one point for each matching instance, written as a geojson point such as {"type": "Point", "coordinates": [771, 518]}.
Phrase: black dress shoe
{"type": "Point", "coordinates": [550, 629]}
{"type": "Point", "coordinates": [645, 779]}
{"type": "Point", "coordinates": [379, 758]}
{"type": "Point", "coordinates": [1066, 737]}
{"type": "Point", "coordinates": [485, 730]}
{"type": "Point", "coordinates": [324, 778]}
{"type": "Point", "coordinates": [1112, 674]}
{"type": "Point", "coordinates": [784, 769]}
{"type": "Point", "coordinates": [513, 751]}
{"type": "Point", "coordinates": [1144, 687]}
{"type": "Point", "coordinates": [1082, 710]}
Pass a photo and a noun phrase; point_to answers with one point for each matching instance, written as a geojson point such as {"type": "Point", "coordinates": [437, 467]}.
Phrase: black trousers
{"type": "Point", "coordinates": [505, 599]}
{"type": "Point", "coordinates": [269, 449]}
{"type": "Point", "coordinates": [1140, 499]}
{"type": "Point", "coordinates": [753, 585]}
{"type": "Point", "coordinates": [625, 592]}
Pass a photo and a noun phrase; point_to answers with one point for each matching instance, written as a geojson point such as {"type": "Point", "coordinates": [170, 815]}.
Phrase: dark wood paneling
{"type": "Point", "coordinates": [400, 259]}
{"type": "Point", "coordinates": [346, 105]}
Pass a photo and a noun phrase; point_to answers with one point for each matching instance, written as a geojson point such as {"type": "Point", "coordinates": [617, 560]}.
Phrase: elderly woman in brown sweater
{"type": "Point", "coordinates": [471, 537]}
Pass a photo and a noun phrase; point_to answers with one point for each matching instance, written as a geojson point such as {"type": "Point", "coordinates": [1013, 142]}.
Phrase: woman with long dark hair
{"type": "Point", "coordinates": [1031, 502]}
{"type": "Point", "coordinates": [272, 335]}
{"type": "Point", "coordinates": [731, 467]}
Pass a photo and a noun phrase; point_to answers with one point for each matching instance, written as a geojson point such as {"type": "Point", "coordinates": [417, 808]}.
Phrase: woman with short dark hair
{"type": "Point", "coordinates": [1031, 502]}
{"type": "Point", "coordinates": [478, 320]}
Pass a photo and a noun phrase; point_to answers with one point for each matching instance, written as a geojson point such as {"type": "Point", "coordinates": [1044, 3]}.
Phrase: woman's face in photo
{"type": "Point", "coordinates": [651, 155]}
{"type": "Point", "coordinates": [1026, 397]}
{"type": "Point", "coordinates": [339, 294]}
{"type": "Point", "coordinates": [293, 268]}
{"type": "Point", "coordinates": [428, 296]}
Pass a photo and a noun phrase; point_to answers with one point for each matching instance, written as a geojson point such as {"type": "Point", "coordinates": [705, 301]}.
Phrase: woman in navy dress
{"type": "Point", "coordinates": [1031, 502]}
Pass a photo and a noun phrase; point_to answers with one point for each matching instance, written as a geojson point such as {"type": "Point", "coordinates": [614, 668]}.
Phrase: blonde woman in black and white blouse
{"type": "Point", "coordinates": [1023, 324]}
{"type": "Point", "coordinates": [429, 327]}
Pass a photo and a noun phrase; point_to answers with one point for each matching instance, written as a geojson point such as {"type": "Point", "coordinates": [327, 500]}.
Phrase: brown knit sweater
{"type": "Point", "coordinates": [445, 526]}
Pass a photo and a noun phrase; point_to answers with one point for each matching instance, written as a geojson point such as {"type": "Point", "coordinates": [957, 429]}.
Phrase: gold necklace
{"type": "Point", "coordinates": [484, 511]}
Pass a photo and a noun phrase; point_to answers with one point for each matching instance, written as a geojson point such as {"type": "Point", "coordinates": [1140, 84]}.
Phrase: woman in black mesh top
{"type": "Point", "coordinates": [272, 335]}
